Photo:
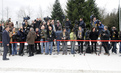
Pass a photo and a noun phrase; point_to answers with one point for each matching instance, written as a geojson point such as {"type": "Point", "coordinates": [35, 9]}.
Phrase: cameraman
{"type": "Point", "coordinates": [114, 36]}
{"type": "Point", "coordinates": [106, 36]}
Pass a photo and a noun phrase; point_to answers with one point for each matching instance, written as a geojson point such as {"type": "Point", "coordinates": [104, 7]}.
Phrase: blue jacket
{"type": "Point", "coordinates": [58, 35]}
{"type": "Point", "coordinates": [101, 28]}
{"type": "Point", "coordinates": [5, 38]}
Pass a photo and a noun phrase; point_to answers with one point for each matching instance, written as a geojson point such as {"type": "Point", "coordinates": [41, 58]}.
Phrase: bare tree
{"type": "Point", "coordinates": [40, 12]}
{"type": "Point", "coordinates": [29, 11]}
{"type": "Point", "coordinates": [7, 12]}
{"type": "Point", "coordinates": [49, 9]}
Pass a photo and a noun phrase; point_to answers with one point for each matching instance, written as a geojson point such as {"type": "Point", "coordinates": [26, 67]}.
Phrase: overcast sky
{"type": "Point", "coordinates": [16, 5]}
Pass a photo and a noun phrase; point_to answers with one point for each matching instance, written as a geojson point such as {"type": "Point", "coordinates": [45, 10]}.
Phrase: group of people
{"type": "Point", "coordinates": [40, 36]}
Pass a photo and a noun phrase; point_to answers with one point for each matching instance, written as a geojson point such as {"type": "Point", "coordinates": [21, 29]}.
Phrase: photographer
{"type": "Point", "coordinates": [106, 36]}
{"type": "Point", "coordinates": [93, 36]}
{"type": "Point", "coordinates": [81, 23]}
{"type": "Point", "coordinates": [58, 32]}
{"type": "Point", "coordinates": [114, 36]}
{"type": "Point", "coordinates": [26, 28]}
{"type": "Point", "coordinates": [58, 25]}
{"type": "Point", "coordinates": [100, 27]}
{"type": "Point", "coordinates": [37, 39]}
{"type": "Point", "coordinates": [21, 35]}
{"type": "Point", "coordinates": [34, 25]}
{"type": "Point", "coordinates": [94, 22]}
{"type": "Point", "coordinates": [43, 34]}
{"type": "Point", "coordinates": [80, 36]}
{"type": "Point", "coordinates": [50, 38]}
{"type": "Point", "coordinates": [73, 37]}
{"type": "Point", "coordinates": [64, 36]}
{"type": "Point", "coordinates": [68, 25]}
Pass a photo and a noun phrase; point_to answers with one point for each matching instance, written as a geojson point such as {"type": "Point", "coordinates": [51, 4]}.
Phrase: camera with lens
{"type": "Point", "coordinates": [26, 18]}
{"type": "Point", "coordinates": [47, 18]}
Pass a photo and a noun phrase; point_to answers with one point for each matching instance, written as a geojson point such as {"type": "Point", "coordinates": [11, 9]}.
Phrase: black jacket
{"type": "Point", "coordinates": [114, 36]}
{"type": "Point", "coordinates": [68, 24]}
{"type": "Point", "coordinates": [38, 37]}
{"type": "Point", "coordinates": [106, 35]}
{"type": "Point", "coordinates": [51, 36]}
{"type": "Point", "coordinates": [93, 35]}
{"type": "Point", "coordinates": [82, 24]}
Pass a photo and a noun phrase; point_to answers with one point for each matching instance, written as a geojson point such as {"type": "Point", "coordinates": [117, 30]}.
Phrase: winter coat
{"type": "Point", "coordinates": [31, 38]}
{"type": "Point", "coordinates": [38, 37]}
{"type": "Point", "coordinates": [93, 35]}
{"type": "Point", "coordinates": [43, 34]}
{"type": "Point", "coordinates": [58, 33]}
{"type": "Point", "coordinates": [107, 35]}
{"type": "Point", "coordinates": [68, 24]}
{"type": "Point", "coordinates": [82, 24]}
{"type": "Point", "coordinates": [50, 35]}
{"type": "Point", "coordinates": [114, 36]}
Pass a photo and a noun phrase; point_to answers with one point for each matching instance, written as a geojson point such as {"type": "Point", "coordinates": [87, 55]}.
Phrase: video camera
{"type": "Point", "coordinates": [47, 18]}
{"type": "Point", "coordinates": [26, 18]}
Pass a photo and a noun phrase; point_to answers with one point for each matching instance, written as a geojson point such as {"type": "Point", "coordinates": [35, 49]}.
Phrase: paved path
{"type": "Point", "coordinates": [62, 64]}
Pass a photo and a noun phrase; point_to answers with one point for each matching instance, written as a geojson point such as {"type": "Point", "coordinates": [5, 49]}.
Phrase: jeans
{"type": "Point", "coordinates": [51, 45]}
{"type": "Point", "coordinates": [58, 46]}
{"type": "Point", "coordinates": [73, 47]}
{"type": "Point", "coordinates": [14, 46]}
{"type": "Point", "coordinates": [64, 44]}
{"type": "Point", "coordinates": [120, 48]}
{"type": "Point", "coordinates": [114, 47]}
{"type": "Point", "coordinates": [43, 43]}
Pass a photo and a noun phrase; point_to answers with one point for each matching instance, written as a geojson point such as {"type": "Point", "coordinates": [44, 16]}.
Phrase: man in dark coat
{"type": "Point", "coordinates": [106, 36]}
{"type": "Point", "coordinates": [5, 41]}
{"type": "Point", "coordinates": [114, 36]}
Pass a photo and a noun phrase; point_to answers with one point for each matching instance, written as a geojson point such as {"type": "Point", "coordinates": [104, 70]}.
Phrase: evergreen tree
{"type": "Point", "coordinates": [81, 9]}
{"type": "Point", "coordinates": [57, 12]}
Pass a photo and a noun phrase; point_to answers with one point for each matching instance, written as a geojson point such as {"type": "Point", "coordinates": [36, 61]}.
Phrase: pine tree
{"type": "Point", "coordinates": [57, 12]}
{"type": "Point", "coordinates": [81, 9]}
